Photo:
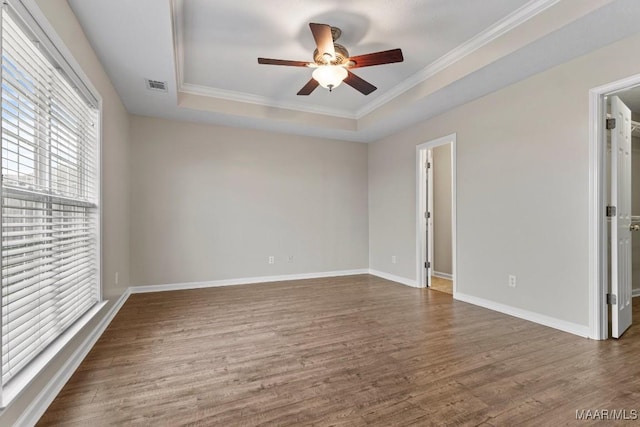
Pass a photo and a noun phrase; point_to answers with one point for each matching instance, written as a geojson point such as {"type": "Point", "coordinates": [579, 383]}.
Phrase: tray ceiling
{"type": "Point", "coordinates": [207, 53]}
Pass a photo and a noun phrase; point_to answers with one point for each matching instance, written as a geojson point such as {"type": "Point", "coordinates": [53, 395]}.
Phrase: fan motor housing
{"type": "Point", "coordinates": [342, 55]}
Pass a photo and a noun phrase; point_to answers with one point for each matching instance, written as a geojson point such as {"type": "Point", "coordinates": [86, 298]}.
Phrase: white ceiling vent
{"type": "Point", "coordinates": [156, 85]}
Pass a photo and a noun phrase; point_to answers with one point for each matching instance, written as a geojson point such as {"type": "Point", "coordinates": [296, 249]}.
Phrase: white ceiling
{"type": "Point", "coordinates": [207, 52]}
{"type": "Point", "coordinates": [223, 39]}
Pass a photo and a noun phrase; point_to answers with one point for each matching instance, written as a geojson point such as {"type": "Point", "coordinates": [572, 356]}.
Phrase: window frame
{"type": "Point", "coordinates": [53, 47]}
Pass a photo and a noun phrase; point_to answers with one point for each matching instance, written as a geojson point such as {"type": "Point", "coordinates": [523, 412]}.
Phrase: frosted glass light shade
{"type": "Point", "coordinates": [329, 76]}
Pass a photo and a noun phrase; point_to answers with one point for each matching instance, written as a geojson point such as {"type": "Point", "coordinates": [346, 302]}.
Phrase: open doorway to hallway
{"type": "Point", "coordinates": [435, 215]}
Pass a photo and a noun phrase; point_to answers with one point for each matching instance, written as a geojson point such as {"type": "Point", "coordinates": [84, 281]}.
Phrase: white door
{"type": "Point", "coordinates": [621, 221]}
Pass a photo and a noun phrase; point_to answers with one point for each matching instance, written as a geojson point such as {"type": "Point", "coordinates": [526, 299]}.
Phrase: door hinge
{"type": "Point", "coordinates": [611, 211]}
{"type": "Point", "coordinates": [428, 165]}
{"type": "Point", "coordinates": [427, 264]}
{"type": "Point", "coordinates": [612, 299]}
{"type": "Point", "coordinates": [611, 124]}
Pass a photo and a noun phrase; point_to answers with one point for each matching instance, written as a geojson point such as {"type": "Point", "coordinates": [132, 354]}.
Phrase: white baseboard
{"type": "Point", "coordinates": [563, 325]}
{"type": "Point", "coordinates": [394, 278]}
{"type": "Point", "coordinates": [635, 293]}
{"type": "Point", "coordinates": [39, 405]}
{"type": "Point", "coordinates": [243, 281]}
{"type": "Point", "coordinates": [442, 275]}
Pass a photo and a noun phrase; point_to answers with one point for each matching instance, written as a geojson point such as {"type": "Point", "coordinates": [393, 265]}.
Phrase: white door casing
{"type": "Point", "coordinates": [429, 216]}
{"type": "Point", "coordinates": [621, 266]}
{"type": "Point", "coordinates": [422, 206]}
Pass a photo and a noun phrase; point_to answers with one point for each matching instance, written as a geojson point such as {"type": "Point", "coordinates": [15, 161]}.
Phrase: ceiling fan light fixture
{"type": "Point", "coordinates": [331, 62]}
{"type": "Point", "coordinates": [329, 76]}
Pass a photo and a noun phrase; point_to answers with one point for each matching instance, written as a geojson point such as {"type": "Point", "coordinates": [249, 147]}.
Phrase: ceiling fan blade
{"type": "Point", "coordinates": [324, 39]}
{"type": "Point", "coordinates": [377, 58]}
{"type": "Point", "coordinates": [359, 84]}
{"type": "Point", "coordinates": [308, 88]}
{"type": "Point", "coordinates": [269, 61]}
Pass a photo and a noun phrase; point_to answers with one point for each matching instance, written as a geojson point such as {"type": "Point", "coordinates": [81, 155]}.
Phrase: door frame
{"type": "Point", "coordinates": [598, 235]}
{"type": "Point", "coordinates": [420, 201]}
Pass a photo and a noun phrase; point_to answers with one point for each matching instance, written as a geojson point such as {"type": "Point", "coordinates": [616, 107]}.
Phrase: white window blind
{"type": "Point", "coordinates": [50, 226]}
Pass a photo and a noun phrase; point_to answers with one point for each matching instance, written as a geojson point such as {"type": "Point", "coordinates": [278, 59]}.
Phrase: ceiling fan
{"type": "Point", "coordinates": [332, 62]}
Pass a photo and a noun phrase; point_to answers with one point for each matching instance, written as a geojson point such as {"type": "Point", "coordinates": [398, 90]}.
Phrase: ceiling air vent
{"type": "Point", "coordinates": [156, 85]}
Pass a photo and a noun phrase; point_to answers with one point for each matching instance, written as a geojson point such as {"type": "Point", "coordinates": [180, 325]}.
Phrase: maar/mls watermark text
{"type": "Point", "coordinates": [606, 414]}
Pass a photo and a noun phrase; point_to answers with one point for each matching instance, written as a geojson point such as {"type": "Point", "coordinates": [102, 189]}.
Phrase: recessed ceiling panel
{"type": "Point", "coordinates": [223, 39]}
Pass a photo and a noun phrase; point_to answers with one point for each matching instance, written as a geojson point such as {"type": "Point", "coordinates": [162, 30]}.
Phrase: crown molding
{"type": "Point", "coordinates": [483, 38]}
{"type": "Point", "coordinates": [248, 98]}
{"type": "Point", "coordinates": [500, 28]}
{"type": "Point", "coordinates": [177, 28]}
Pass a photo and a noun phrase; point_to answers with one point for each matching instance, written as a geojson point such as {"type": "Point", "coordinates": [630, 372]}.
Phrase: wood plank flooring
{"type": "Point", "coordinates": [349, 351]}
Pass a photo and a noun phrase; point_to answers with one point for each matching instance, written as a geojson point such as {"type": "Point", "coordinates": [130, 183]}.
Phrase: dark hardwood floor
{"type": "Point", "coordinates": [347, 351]}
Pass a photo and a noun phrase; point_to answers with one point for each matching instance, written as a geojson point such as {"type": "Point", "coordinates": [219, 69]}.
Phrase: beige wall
{"type": "Point", "coordinates": [522, 188]}
{"type": "Point", "coordinates": [442, 247]}
{"type": "Point", "coordinates": [115, 178]}
{"type": "Point", "coordinates": [212, 203]}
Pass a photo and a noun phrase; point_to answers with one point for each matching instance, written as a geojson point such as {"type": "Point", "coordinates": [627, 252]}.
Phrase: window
{"type": "Point", "coordinates": [50, 189]}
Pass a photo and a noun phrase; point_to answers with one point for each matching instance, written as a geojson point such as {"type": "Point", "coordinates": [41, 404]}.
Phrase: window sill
{"type": "Point", "coordinates": [22, 380]}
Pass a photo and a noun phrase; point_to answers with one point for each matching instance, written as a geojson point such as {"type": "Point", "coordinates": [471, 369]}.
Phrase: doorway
{"type": "Point", "coordinates": [615, 200]}
{"type": "Point", "coordinates": [436, 214]}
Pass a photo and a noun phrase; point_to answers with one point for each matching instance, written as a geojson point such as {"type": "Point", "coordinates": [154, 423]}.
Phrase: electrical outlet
{"type": "Point", "coordinates": [512, 281]}
{"type": "Point", "coordinates": [116, 278]}
{"type": "Point", "coordinates": [290, 259]}
{"type": "Point", "coordinates": [393, 259]}
{"type": "Point", "coordinates": [272, 259]}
